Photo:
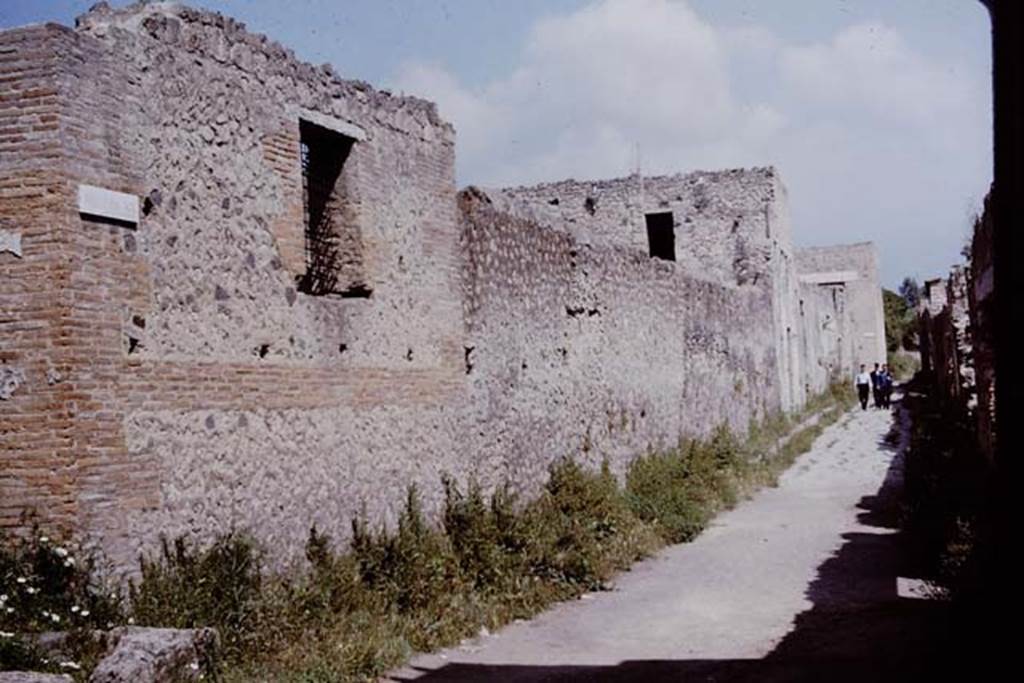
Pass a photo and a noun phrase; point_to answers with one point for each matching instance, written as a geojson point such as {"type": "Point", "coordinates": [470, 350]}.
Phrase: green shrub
{"type": "Point", "coordinates": [582, 529]}
{"type": "Point", "coordinates": [681, 490]}
{"type": "Point", "coordinates": [220, 586]}
{"type": "Point", "coordinates": [661, 491]}
{"type": "Point", "coordinates": [415, 568]}
{"type": "Point", "coordinates": [485, 554]}
{"type": "Point", "coordinates": [334, 583]}
{"type": "Point", "coordinates": [46, 584]}
{"type": "Point", "coordinates": [49, 586]}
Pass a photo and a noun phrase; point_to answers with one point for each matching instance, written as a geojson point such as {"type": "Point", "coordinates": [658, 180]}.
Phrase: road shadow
{"type": "Point", "coordinates": [859, 628]}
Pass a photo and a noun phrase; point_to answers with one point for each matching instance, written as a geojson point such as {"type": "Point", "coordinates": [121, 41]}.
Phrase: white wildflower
{"type": "Point", "coordinates": [56, 618]}
{"type": "Point", "coordinates": [3, 598]}
{"type": "Point", "coordinates": [131, 621]}
{"type": "Point", "coordinates": [74, 609]}
{"type": "Point", "coordinates": [70, 665]}
{"type": "Point", "coordinates": [70, 562]}
{"type": "Point", "coordinates": [22, 580]}
{"type": "Point", "coordinates": [10, 610]}
{"type": "Point", "coordinates": [6, 634]}
{"type": "Point", "coordinates": [85, 613]}
{"type": "Point", "coordinates": [61, 551]}
{"type": "Point", "coordinates": [31, 591]}
{"type": "Point", "coordinates": [194, 666]}
{"type": "Point", "coordinates": [44, 539]}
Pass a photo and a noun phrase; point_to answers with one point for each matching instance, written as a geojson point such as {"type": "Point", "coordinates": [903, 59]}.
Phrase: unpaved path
{"type": "Point", "coordinates": [798, 583]}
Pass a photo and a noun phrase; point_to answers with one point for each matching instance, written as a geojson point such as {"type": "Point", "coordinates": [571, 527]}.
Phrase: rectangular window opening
{"type": "Point", "coordinates": [661, 236]}
{"type": "Point", "coordinates": [333, 245]}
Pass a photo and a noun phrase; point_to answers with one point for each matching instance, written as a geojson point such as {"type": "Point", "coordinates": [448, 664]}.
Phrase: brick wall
{"type": "Point", "coordinates": [36, 439]}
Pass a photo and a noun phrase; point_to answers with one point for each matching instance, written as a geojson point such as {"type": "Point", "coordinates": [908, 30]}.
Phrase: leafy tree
{"type": "Point", "coordinates": [900, 317]}
{"type": "Point", "coordinates": [895, 316]}
{"type": "Point", "coordinates": [911, 292]}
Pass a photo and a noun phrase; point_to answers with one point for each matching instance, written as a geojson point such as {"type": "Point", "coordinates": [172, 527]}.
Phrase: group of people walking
{"type": "Point", "coordinates": [878, 383]}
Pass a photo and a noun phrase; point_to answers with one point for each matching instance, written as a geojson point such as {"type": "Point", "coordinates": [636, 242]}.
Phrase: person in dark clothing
{"type": "Point", "coordinates": [886, 383]}
{"type": "Point", "coordinates": [863, 383]}
{"type": "Point", "coordinates": [876, 390]}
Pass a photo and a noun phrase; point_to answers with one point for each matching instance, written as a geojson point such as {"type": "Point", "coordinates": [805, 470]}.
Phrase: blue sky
{"type": "Point", "coordinates": [876, 112]}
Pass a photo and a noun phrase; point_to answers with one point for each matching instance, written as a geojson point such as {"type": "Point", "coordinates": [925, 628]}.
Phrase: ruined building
{"type": "Point", "coordinates": [240, 292]}
{"type": "Point", "coordinates": [955, 322]}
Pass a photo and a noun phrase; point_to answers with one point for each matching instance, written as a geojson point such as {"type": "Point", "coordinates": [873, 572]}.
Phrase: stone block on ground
{"type": "Point", "coordinates": [156, 655]}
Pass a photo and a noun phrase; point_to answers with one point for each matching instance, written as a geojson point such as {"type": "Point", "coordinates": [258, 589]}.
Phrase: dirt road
{"type": "Point", "coordinates": [802, 582]}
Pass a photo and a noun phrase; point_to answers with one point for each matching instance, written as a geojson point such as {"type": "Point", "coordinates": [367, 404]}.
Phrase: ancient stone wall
{"type": "Point", "coordinates": [730, 227]}
{"type": "Point", "coordinates": [827, 333]}
{"type": "Point", "coordinates": [962, 389]}
{"type": "Point", "coordinates": [956, 331]}
{"type": "Point", "coordinates": [192, 361]}
{"type": "Point", "coordinates": [577, 348]}
{"type": "Point", "coordinates": [723, 219]}
{"type": "Point", "coordinates": [849, 276]}
{"type": "Point", "coordinates": [944, 319]}
{"type": "Point", "coordinates": [190, 385]}
{"type": "Point", "coordinates": [981, 299]}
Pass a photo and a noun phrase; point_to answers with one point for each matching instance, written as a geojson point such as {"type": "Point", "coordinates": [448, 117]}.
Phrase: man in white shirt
{"type": "Point", "coordinates": [863, 382]}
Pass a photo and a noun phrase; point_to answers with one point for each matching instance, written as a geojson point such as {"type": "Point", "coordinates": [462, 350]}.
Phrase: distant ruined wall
{"type": "Point", "coordinates": [946, 344]}
{"type": "Point", "coordinates": [590, 349]}
{"type": "Point", "coordinates": [944, 319]}
{"type": "Point", "coordinates": [172, 360]}
{"type": "Point", "coordinates": [827, 335]}
{"type": "Point", "coordinates": [726, 222]}
{"type": "Point", "coordinates": [981, 301]}
{"type": "Point", "coordinates": [956, 331]}
{"type": "Point", "coordinates": [731, 227]}
{"type": "Point", "coordinates": [849, 292]}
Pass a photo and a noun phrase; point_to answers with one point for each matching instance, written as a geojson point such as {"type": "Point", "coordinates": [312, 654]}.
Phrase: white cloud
{"type": "Point", "coordinates": [869, 133]}
{"type": "Point", "coordinates": [591, 87]}
{"type": "Point", "coordinates": [870, 69]}
{"type": "Point", "coordinates": [750, 41]}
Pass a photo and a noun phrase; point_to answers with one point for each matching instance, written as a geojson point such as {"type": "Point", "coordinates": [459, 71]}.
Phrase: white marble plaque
{"type": "Point", "coordinates": [98, 201]}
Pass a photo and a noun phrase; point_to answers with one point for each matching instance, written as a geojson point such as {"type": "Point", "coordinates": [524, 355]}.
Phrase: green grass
{"type": "Point", "coordinates": [366, 606]}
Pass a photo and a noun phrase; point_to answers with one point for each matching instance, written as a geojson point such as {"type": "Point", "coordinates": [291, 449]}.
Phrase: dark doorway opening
{"type": "Point", "coordinates": [661, 236]}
